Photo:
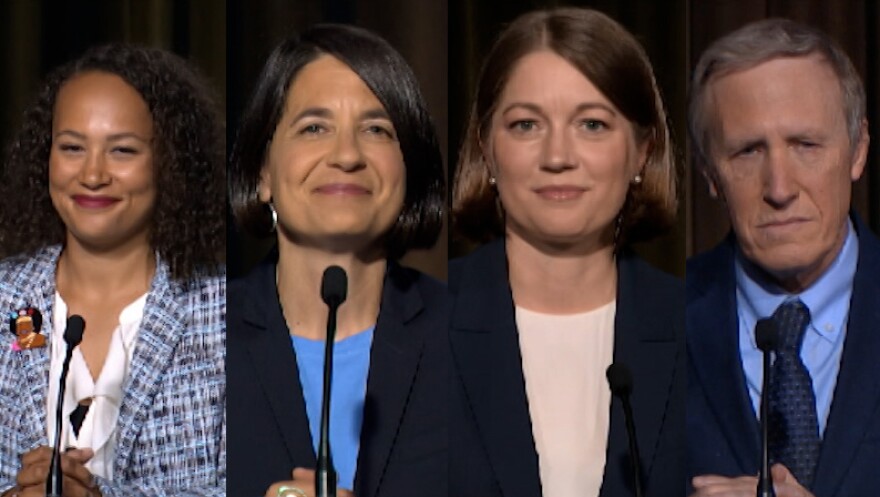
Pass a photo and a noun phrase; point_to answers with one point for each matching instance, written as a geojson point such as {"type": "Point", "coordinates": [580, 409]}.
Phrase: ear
{"type": "Point", "coordinates": [488, 158]}
{"type": "Point", "coordinates": [860, 152]}
{"type": "Point", "coordinates": [264, 187]}
{"type": "Point", "coordinates": [711, 181]}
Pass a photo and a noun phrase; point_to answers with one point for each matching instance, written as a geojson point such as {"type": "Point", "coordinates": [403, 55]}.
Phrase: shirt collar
{"type": "Point", "coordinates": [827, 298]}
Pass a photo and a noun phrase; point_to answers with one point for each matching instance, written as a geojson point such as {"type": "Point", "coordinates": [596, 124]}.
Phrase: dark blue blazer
{"type": "Point", "coordinates": [403, 438]}
{"type": "Point", "coordinates": [723, 431]}
{"type": "Point", "coordinates": [492, 451]}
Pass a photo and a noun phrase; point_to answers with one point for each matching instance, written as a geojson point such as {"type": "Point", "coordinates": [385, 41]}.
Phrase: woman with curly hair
{"type": "Point", "coordinates": [113, 210]}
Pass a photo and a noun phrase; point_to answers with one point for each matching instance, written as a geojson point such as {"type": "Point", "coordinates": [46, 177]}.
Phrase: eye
{"type": "Point", "coordinates": [523, 125]}
{"type": "Point", "coordinates": [380, 130]}
{"type": "Point", "coordinates": [124, 150]}
{"type": "Point", "coordinates": [312, 129]}
{"type": "Point", "coordinates": [594, 125]}
{"type": "Point", "coordinates": [70, 147]}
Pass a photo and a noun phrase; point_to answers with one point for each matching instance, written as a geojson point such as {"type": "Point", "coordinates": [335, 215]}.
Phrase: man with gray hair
{"type": "Point", "coordinates": [777, 116]}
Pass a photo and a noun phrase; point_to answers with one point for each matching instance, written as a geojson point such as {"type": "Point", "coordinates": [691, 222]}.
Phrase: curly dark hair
{"type": "Point", "coordinates": [188, 225]}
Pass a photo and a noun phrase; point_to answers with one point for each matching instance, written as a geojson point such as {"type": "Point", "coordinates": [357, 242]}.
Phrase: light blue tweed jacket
{"type": "Point", "coordinates": [171, 435]}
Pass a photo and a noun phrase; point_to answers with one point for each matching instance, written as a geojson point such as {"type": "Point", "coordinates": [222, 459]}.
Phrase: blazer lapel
{"type": "Point", "coordinates": [857, 392]}
{"type": "Point", "coordinates": [645, 342]}
{"type": "Point", "coordinates": [394, 362]}
{"type": "Point", "coordinates": [713, 347]}
{"type": "Point", "coordinates": [40, 281]}
{"type": "Point", "coordinates": [163, 323]}
{"type": "Point", "coordinates": [485, 347]}
{"type": "Point", "coordinates": [272, 358]}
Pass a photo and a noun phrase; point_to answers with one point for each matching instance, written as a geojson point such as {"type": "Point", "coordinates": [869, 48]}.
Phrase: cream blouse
{"type": "Point", "coordinates": [564, 359]}
{"type": "Point", "coordinates": [98, 429]}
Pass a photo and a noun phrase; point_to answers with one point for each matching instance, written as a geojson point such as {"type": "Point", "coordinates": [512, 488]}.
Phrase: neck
{"type": "Point", "coordinates": [557, 281]}
{"type": "Point", "coordinates": [94, 273]}
{"type": "Point", "coordinates": [299, 274]}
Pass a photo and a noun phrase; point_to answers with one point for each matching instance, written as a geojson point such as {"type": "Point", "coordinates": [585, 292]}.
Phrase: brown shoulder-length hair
{"type": "Point", "coordinates": [610, 57]}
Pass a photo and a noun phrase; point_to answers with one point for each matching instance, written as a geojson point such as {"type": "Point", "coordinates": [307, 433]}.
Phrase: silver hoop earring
{"type": "Point", "coordinates": [274, 216]}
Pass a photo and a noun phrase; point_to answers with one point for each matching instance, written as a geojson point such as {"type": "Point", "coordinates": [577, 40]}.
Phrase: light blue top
{"type": "Point", "coordinates": [351, 363]}
{"type": "Point", "coordinates": [828, 300]}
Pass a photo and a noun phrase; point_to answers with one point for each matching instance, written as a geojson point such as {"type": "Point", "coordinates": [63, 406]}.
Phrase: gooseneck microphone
{"type": "Point", "coordinates": [73, 335]}
{"type": "Point", "coordinates": [766, 337]}
{"type": "Point", "coordinates": [621, 383]}
{"type": "Point", "coordinates": [334, 288]}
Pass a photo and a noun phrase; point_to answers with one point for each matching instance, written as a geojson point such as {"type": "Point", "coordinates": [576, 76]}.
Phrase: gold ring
{"type": "Point", "coordinates": [284, 491]}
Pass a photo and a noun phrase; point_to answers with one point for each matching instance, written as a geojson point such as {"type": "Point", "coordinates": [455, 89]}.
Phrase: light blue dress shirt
{"type": "Point", "coordinates": [828, 300]}
{"type": "Point", "coordinates": [351, 363]}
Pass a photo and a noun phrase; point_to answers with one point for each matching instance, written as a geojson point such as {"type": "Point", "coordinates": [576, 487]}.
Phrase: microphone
{"type": "Point", "coordinates": [72, 336]}
{"type": "Point", "coordinates": [621, 383]}
{"type": "Point", "coordinates": [334, 288]}
{"type": "Point", "coordinates": [766, 337]}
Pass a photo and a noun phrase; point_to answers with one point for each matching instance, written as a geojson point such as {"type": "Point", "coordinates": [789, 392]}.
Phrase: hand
{"type": "Point", "coordinates": [303, 479]}
{"type": "Point", "coordinates": [78, 481]}
{"type": "Point", "coordinates": [784, 484]}
{"type": "Point", "coordinates": [722, 486]}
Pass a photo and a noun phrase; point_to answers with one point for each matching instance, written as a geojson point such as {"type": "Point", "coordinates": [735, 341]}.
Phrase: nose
{"type": "Point", "coordinates": [780, 187]}
{"type": "Point", "coordinates": [557, 156]}
{"type": "Point", "coordinates": [93, 174]}
{"type": "Point", "coordinates": [347, 154]}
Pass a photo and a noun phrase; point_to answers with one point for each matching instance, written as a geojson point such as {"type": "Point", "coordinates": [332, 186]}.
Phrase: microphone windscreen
{"type": "Point", "coordinates": [766, 334]}
{"type": "Point", "coordinates": [76, 325]}
{"type": "Point", "coordinates": [619, 379]}
{"type": "Point", "coordinates": [334, 286]}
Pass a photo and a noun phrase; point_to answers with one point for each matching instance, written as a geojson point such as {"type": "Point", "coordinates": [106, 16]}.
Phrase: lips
{"type": "Point", "coordinates": [560, 192]}
{"type": "Point", "coordinates": [342, 189]}
{"type": "Point", "coordinates": [782, 223]}
{"type": "Point", "coordinates": [94, 201]}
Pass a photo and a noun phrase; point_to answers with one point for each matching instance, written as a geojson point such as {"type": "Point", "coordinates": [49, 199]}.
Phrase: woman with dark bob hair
{"type": "Point", "coordinates": [337, 159]}
{"type": "Point", "coordinates": [113, 211]}
{"type": "Point", "coordinates": [566, 161]}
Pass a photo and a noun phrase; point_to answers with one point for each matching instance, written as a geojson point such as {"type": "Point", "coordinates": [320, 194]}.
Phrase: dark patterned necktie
{"type": "Point", "coordinates": [794, 429]}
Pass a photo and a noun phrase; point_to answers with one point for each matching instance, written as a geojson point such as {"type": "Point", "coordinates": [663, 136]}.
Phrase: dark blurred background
{"type": "Point", "coordinates": [37, 36]}
{"type": "Point", "coordinates": [855, 24]}
{"type": "Point", "coordinates": [661, 27]}
{"type": "Point", "coordinates": [417, 29]}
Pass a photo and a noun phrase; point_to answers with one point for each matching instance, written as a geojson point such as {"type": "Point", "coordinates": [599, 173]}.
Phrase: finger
{"type": "Point", "coordinates": [307, 487]}
{"type": "Point", "coordinates": [75, 488]}
{"type": "Point", "coordinates": [81, 456]}
{"type": "Point", "coordinates": [780, 473]}
{"type": "Point", "coordinates": [77, 471]}
{"type": "Point", "coordinates": [33, 456]}
{"type": "Point", "coordinates": [33, 474]}
{"type": "Point", "coordinates": [303, 474]}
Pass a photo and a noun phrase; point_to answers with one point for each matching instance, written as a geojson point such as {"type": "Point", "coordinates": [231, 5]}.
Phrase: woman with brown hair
{"type": "Point", "coordinates": [567, 160]}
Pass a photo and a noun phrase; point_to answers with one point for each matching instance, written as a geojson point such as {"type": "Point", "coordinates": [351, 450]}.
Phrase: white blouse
{"type": "Point", "coordinates": [564, 359]}
{"type": "Point", "coordinates": [98, 429]}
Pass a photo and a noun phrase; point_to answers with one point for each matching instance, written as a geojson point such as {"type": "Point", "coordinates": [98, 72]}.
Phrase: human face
{"type": "Point", "coordinates": [562, 154]}
{"type": "Point", "coordinates": [784, 164]}
{"type": "Point", "coordinates": [334, 170]}
{"type": "Point", "coordinates": [101, 177]}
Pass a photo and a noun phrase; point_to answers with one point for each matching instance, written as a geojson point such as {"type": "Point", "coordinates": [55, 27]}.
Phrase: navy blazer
{"type": "Point", "coordinates": [492, 451]}
{"type": "Point", "coordinates": [723, 431]}
{"type": "Point", "coordinates": [403, 437]}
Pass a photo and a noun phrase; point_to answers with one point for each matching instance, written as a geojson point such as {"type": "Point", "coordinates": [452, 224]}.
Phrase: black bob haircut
{"type": "Point", "coordinates": [390, 78]}
{"type": "Point", "coordinates": [189, 140]}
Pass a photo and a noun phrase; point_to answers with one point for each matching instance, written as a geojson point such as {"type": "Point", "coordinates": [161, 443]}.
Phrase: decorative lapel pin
{"type": "Point", "coordinates": [25, 324]}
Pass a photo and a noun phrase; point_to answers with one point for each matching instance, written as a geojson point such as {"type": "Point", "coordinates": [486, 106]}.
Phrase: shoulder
{"type": "Point", "coordinates": [28, 269]}
{"type": "Point", "coordinates": [478, 265]}
{"type": "Point", "coordinates": [707, 268]}
{"type": "Point", "coordinates": [408, 283]}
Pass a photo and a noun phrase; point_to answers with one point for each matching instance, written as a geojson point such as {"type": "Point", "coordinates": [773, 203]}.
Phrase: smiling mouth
{"type": "Point", "coordinates": [562, 192]}
{"type": "Point", "coordinates": [341, 189]}
{"type": "Point", "coordinates": [94, 201]}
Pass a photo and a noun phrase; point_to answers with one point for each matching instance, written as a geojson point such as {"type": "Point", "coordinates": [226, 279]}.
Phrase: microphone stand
{"type": "Point", "coordinates": [621, 383]}
{"type": "Point", "coordinates": [333, 291]}
{"type": "Point", "coordinates": [72, 336]}
{"type": "Point", "coordinates": [765, 336]}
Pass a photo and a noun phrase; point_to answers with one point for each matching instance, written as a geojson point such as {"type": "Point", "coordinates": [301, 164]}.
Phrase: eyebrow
{"type": "Point", "coordinates": [113, 137]}
{"type": "Point", "coordinates": [325, 113]}
{"type": "Point", "coordinates": [580, 107]}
